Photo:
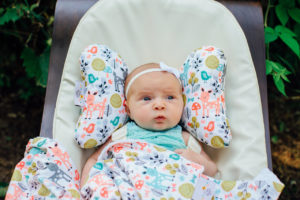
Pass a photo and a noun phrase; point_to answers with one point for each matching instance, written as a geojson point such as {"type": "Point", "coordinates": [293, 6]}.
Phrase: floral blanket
{"type": "Point", "coordinates": [128, 169]}
{"type": "Point", "coordinates": [134, 170]}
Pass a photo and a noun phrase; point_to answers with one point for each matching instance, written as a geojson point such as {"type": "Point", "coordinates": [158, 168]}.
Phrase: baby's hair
{"type": "Point", "coordinates": [138, 70]}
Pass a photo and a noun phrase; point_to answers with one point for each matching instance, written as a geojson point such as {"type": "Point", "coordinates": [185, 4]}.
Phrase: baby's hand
{"type": "Point", "coordinates": [191, 155]}
{"type": "Point", "coordinates": [210, 167]}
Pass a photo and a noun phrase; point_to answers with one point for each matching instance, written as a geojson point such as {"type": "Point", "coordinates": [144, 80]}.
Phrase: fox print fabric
{"type": "Point", "coordinates": [102, 95]}
{"type": "Point", "coordinates": [204, 115]}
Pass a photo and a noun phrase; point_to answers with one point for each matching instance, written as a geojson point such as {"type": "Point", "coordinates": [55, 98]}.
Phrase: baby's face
{"type": "Point", "coordinates": [155, 101]}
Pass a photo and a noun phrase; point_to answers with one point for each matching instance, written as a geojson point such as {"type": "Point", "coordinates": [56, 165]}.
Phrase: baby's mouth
{"type": "Point", "coordinates": [160, 118]}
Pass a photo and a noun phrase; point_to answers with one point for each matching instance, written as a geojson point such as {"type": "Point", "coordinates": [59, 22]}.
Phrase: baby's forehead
{"type": "Point", "coordinates": [150, 75]}
{"type": "Point", "coordinates": [161, 76]}
{"type": "Point", "coordinates": [166, 81]}
{"type": "Point", "coordinates": [140, 69]}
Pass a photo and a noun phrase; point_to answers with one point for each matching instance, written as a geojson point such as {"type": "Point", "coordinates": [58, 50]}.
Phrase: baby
{"type": "Point", "coordinates": [154, 103]}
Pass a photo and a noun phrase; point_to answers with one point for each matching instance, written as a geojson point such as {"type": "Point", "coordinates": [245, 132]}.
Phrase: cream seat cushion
{"type": "Point", "coordinates": [144, 31]}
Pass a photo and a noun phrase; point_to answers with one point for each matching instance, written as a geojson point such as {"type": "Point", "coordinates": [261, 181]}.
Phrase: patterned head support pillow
{"type": "Point", "coordinates": [101, 96]}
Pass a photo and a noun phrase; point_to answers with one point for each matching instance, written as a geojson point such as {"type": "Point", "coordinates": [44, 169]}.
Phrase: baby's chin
{"type": "Point", "coordinates": [156, 126]}
{"type": "Point", "coordinates": [159, 127]}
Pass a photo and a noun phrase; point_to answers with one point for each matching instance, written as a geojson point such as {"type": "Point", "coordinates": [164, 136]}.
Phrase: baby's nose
{"type": "Point", "coordinates": [159, 104]}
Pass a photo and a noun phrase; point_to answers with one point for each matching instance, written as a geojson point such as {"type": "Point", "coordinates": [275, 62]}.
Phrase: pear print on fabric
{"type": "Point", "coordinates": [103, 73]}
{"type": "Point", "coordinates": [204, 115]}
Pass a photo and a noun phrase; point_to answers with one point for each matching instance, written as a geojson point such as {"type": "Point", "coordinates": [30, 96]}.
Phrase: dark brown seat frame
{"type": "Point", "coordinates": [69, 12]}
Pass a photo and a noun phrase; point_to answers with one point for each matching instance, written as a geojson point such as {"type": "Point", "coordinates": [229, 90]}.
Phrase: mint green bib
{"type": "Point", "coordinates": [170, 139]}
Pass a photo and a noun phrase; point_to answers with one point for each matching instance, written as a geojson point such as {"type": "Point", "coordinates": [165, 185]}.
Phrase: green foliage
{"type": "Point", "coordinates": [3, 189]}
{"type": "Point", "coordinates": [25, 31]}
{"type": "Point", "coordinates": [36, 66]}
{"type": "Point", "coordinates": [282, 37]}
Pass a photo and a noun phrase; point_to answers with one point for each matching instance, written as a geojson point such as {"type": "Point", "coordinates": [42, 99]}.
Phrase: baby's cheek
{"type": "Point", "coordinates": [177, 112]}
{"type": "Point", "coordinates": [141, 115]}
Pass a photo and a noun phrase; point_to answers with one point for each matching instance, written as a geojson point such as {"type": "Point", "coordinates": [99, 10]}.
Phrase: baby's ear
{"type": "Point", "coordinates": [126, 107]}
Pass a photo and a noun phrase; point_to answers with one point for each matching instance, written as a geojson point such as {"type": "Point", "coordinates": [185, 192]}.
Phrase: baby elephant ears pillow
{"type": "Point", "coordinates": [101, 96]}
{"type": "Point", "coordinates": [204, 114]}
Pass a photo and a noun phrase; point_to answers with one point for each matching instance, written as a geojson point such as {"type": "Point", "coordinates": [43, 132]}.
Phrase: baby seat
{"type": "Point", "coordinates": [143, 31]}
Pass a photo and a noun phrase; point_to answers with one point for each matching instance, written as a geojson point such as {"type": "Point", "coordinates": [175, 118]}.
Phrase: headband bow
{"type": "Point", "coordinates": [163, 68]}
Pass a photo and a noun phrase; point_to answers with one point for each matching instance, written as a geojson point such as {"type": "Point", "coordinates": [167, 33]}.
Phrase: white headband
{"type": "Point", "coordinates": [163, 67]}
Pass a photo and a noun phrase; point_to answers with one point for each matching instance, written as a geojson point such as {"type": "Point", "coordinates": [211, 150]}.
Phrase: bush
{"type": "Point", "coordinates": [25, 31]}
{"type": "Point", "coordinates": [282, 36]}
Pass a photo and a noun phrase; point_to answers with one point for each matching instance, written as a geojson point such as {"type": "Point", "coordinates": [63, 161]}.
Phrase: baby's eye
{"type": "Point", "coordinates": [170, 97]}
{"type": "Point", "coordinates": [146, 99]}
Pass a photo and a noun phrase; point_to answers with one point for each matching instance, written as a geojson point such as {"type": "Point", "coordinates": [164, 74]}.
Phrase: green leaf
{"type": "Point", "coordinates": [286, 35]}
{"type": "Point", "coordinates": [295, 14]}
{"type": "Point", "coordinates": [279, 70]}
{"type": "Point", "coordinates": [36, 66]}
{"type": "Point", "coordinates": [268, 67]}
{"type": "Point", "coordinates": [282, 14]}
{"type": "Point", "coordinates": [284, 30]}
{"type": "Point", "coordinates": [283, 72]}
{"type": "Point", "coordinates": [285, 78]}
{"type": "Point", "coordinates": [275, 66]}
{"type": "Point", "coordinates": [274, 139]}
{"type": "Point", "coordinates": [279, 84]}
{"type": "Point", "coordinates": [11, 14]}
{"type": "Point", "coordinates": [287, 3]}
{"type": "Point", "coordinates": [44, 65]}
{"type": "Point", "coordinates": [30, 62]}
{"type": "Point", "coordinates": [291, 43]}
{"type": "Point", "coordinates": [270, 35]}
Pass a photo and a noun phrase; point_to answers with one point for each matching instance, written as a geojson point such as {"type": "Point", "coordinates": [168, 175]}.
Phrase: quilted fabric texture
{"type": "Point", "coordinates": [103, 73]}
{"type": "Point", "coordinates": [204, 115]}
